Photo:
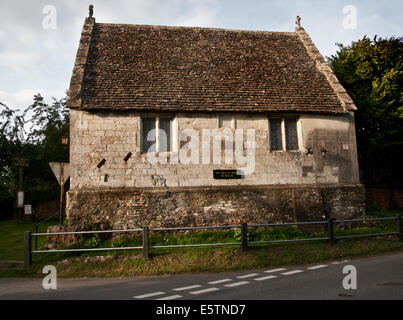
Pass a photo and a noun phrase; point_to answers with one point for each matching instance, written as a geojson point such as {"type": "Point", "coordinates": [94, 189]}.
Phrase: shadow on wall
{"type": "Point", "coordinates": [334, 156]}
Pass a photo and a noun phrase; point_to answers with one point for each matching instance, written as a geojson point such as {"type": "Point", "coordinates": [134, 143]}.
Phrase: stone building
{"type": "Point", "coordinates": [137, 91]}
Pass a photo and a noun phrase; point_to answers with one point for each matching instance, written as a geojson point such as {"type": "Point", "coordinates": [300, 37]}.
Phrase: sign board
{"type": "Point", "coordinates": [27, 209]}
{"type": "Point", "coordinates": [21, 162]}
{"type": "Point", "coordinates": [227, 174]}
{"type": "Point", "coordinates": [20, 199]}
{"type": "Point", "coordinates": [61, 171]}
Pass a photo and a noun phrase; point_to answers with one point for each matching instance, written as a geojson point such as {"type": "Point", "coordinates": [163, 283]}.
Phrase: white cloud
{"type": "Point", "coordinates": [19, 99]}
{"type": "Point", "coordinates": [19, 61]}
{"type": "Point", "coordinates": [29, 54]}
{"type": "Point", "coordinates": [200, 14]}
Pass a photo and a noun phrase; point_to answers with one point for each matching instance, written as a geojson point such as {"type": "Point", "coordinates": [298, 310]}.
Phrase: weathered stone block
{"type": "Point", "coordinates": [198, 206]}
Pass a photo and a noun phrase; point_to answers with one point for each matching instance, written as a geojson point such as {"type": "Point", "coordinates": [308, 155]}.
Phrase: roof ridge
{"type": "Point", "coordinates": [291, 33]}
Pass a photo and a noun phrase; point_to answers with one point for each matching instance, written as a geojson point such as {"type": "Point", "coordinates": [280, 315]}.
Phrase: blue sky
{"type": "Point", "coordinates": [37, 59]}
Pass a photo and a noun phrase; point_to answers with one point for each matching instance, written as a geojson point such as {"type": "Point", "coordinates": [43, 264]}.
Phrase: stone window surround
{"type": "Point", "coordinates": [173, 135]}
{"type": "Point", "coordinates": [175, 131]}
{"type": "Point", "coordinates": [283, 134]}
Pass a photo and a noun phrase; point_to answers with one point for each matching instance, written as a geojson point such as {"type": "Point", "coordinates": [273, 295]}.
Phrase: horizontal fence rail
{"type": "Point", "coordinates": [195, 228]}
{"type": "Point", "coordinates": [331, 238]}
{"type": "Point", "coordinates": [366, 219]}
{"type": "Point", "coordinates": [286, 224]}
{"type": "Point", "coordinates": [284, 241]}
{"type": "Point", "coordinates": [195, 245]}
{"type": "Point", "coordinates": [86, 250]}
{"type": "Point", "coordinates": [85, 232]}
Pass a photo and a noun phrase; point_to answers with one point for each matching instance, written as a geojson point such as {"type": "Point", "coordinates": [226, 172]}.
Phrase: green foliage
{"type": "Point", "coordinates": [93, 242]}
{"type": "Point", "coordinates": [12, 237]}
{"type": "Point", "coordinates": [249, 235]}
{"type": "Point", "coordinates": [33, 134]}
{"type": "Point", "coordinates": [126, 241]}
{"type": "Point", "coordinates": [277, 233]}
{"type": "Point", "coordinates": [372, 73]}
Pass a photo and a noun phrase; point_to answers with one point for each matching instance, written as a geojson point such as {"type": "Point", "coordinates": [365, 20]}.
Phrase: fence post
{"type": "Point", "coordinates": [36, 238]}
{"type": "Point", "coordinates": [399, 226]}
{"type": "Point", "coordinates": [332, 240]}
{"type": "Point", "coordinates": [27, 249]}
{"type": "Point", "coordinates": [146, 249]}
{"type": "Point", "coordinates": [244, 236]}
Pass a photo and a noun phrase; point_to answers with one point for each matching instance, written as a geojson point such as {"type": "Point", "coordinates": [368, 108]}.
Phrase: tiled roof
{"type": "Point", "coordinates": [141, 67]}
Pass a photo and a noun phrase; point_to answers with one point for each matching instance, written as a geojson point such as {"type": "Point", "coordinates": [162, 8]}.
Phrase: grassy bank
{"type": "Point", "coordinates": [188, 260]}
{"type": "Point", "coordinates": [12, 237]}
{"type": "Point", "coordinates": [165, 262]}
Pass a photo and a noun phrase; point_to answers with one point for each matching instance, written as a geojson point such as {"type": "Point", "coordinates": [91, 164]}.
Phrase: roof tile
{"type": "Point", "coordinates": [202, 69]}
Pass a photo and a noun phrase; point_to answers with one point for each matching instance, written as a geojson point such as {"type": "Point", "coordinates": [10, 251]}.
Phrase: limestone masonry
{"type": "Point", "coordinates": [129, 80]}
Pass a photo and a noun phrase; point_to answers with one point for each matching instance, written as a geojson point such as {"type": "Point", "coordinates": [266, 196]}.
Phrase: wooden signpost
{"type": "Point", "coordinates": [20, 163]}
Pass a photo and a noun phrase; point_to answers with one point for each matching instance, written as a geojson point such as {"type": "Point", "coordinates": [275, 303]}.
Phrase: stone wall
{"type": "Point", "coordinates": [199, 206]}
{"type": "Point", "coordinates": [112, 135]}
{"type": "Point", "coordinates": [384, 198]}
{"type": "Point", "coordinates": [285, 186]}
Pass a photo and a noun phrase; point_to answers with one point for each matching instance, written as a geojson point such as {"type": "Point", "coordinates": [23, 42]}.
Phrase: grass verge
{"type": "Point", "coordinates": [192, 260]}
{"type": "Point", "coordinates": [12, 237]}
{"type": "Point", "coordinates": [196, 260]}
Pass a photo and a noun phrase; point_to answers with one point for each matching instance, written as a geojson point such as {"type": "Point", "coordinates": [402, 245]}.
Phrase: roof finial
{"type": "Point", "coordinates": [91, 10]}
{"type": "Point", "coordinates": [298, 22]}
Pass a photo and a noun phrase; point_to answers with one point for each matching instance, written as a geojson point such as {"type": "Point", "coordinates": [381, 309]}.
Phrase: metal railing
{"type": "Point", "coordinates": [37, 226]}
{"type": "Point", "coordinates": [331, 238]}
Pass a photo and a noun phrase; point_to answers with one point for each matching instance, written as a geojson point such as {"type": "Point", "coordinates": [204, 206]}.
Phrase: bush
{"type": "Point", "coordinates": [93, 242]}
{"type": "Point", "coordinates": [6, 206]}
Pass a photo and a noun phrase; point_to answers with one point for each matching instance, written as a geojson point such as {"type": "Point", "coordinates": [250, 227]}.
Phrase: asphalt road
{"type": "Point", "coordinates": [378, 278]}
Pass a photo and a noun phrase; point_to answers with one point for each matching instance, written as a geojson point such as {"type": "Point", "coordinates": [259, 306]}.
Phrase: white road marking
{"type": "Point", "coordinates": [265, 278]}
{"type": "Point", "coordinates": [219, 281]}
{"type": "Point", "coordinates": [236, 284]}
{"type": "Point", "coordinates": [204, 291]}
{"type": "Point", "coordinates": [248, 275]}
{"type": "Point", "coordinates": [177, 296]}
{"type": "Point", "coordinates": [292, 272]}
{"type": "Point", "coordinates": [275, 270]}
{"type": "Point", "coordinates": [148, 295]}
{"type": "Point", "coordinates": [318, 267]}
{"type": "Point", "coordinates": [336, 262]}
{"type": "Point", "coordinates": [187, 288]}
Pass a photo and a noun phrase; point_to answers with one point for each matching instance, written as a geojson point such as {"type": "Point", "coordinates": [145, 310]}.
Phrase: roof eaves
{"type": "Point", "coordinates": [181, 109]}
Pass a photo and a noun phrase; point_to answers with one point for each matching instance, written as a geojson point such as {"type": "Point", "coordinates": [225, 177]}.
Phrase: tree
{"type": "Point", "coordinates": [372, 73]}
{"type": "Point", "coordinates": [11, 133]}
{"type": "Point", "coordinates": [33, 134]}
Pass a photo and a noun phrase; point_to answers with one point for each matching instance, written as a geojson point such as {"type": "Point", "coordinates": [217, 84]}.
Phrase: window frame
{"type": "Point", "coordinates": [173, 133]}
{"type": "Point", "coordinates": [283, 133]}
